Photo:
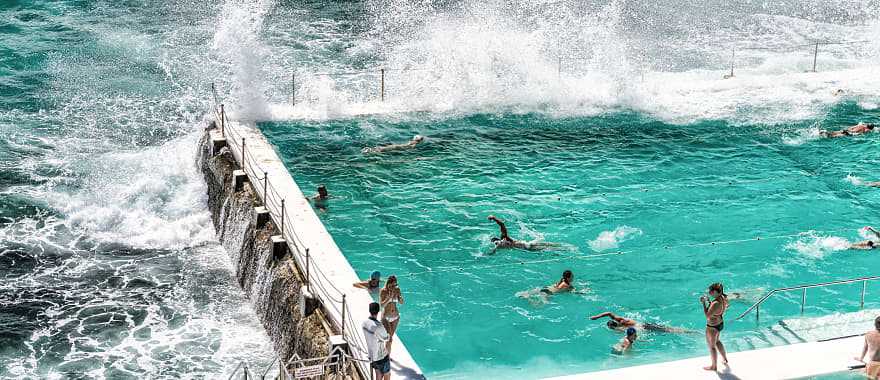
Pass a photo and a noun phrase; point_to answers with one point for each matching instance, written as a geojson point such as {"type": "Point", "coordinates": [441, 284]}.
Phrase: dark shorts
{"type": "Point", "coordinates": [718, 327]}
{"type": "Point", "coordinates": [382, 365]}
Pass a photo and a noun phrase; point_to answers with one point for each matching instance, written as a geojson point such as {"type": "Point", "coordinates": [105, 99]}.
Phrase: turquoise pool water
{"type": "Point", "coordinates": [658, 192]}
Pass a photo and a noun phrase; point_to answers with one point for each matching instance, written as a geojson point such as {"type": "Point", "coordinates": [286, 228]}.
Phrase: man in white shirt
{"type": "Point", "coordinates": [377, 338]}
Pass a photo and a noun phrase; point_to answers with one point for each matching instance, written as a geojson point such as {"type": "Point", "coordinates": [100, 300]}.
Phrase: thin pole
{"type": "Point", "coordinates": [293, 87]}
{"type": "Point", "coordinates": [265, 189]}
{"type": "Point", "coordinates": [803, 299]}
{"type": "Point", "coordinates": [243, 166]}
{"type": "Point", "coordinates": [214, 95]}
{"type": "Point", "coordinates": [559, 67]}
{"type": "Point", "coordinates": [308, 287]}
{"type": "Point", "coordinates": [732, 59]}
{"type": "Point", "coordinates": [222, 121]}
{"type": "Point", "coordinates": [343, 316]}
{"type": "Point", "coordinates": [758, 313]}
{"type": "Point", "coordinates": [862, 302]}
{"type": "Point", "coordinates": [282, 218]}
{"type": "Point", "coordinates": [382, 91]}
{"type": "Point", "coordinates": [815, 54]}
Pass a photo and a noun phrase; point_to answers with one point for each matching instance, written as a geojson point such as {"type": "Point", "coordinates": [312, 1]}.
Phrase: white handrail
{"type": "Point", "coordinates": [803, 288]}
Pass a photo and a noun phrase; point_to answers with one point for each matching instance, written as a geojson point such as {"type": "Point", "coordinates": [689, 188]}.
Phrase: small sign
{"type": "Point", "coordinates": [310, 371]}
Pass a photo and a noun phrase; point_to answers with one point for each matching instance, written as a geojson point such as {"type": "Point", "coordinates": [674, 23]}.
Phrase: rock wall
{"type": "Point", "coordinates": [273, 286]}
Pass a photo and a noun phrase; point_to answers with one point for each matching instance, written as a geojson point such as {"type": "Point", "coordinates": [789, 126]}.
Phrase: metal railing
{"type": "Point", "coordinates": [803, 288]}
{"type": "Point", "coordinates": [563, 61]}
{"type": "Point", "coordinates": [333, 299]}
{"type": "Point", "coordinates": [241, 369]}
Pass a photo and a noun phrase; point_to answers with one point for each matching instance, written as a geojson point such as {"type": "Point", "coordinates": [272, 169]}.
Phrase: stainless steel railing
{"type": "Point", "coordinates": [803, 288]}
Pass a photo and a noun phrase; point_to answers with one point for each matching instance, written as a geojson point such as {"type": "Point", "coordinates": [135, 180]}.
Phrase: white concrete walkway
{"type": "Point", "coordinates": [780, 362]}
{"type": "Point", "coordinates": [310, 232]}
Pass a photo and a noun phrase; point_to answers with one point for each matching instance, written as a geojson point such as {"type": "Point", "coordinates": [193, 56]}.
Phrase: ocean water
{"type": "Point", "coordinates": [632, 143]}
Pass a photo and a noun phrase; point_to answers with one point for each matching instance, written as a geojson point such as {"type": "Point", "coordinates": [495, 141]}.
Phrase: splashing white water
{"type": "Point", "coordinates": [815, 246]}
{"type": "Point", "coordinates": [612, 239]}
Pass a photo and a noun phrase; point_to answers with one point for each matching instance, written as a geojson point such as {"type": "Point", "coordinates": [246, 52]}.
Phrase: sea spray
{"type": "Point", "coordinates": [612, 239]}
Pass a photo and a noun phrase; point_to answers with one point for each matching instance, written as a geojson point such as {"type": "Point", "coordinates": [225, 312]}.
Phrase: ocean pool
{"type": "Point", "coordinates": [683, 204]}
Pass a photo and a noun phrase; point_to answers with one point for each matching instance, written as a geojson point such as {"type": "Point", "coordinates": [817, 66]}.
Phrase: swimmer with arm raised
{"type": "Point", "coordinates": [505, 241]}
{"type": "Point", "coordinates": [867, 244]}
{"type": "Point", "coordinates": [619, 323]}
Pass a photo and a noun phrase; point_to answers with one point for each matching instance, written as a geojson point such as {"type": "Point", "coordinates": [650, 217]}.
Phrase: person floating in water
{"type": "Point", "coordinates": [627, 341]}
{"type": "Point", "coordinates": [416, 140]}
{"type": "Point", "coordinates": [867, 244]}
{"type": "Point", "coordinates": [619, 323]}
{"type": "Point", "coordinates": [505, 241]}
{"type": "Point", "coordinates": [563, 285]}
{"type": "Point", "coordinates": [858, 129]}
{"type": "Point", "coordinates": [373, 285]}
{"type": "Point", "coordinates": [320, 199]}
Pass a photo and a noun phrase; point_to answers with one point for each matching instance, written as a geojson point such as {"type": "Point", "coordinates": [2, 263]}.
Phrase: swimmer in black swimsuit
{"type": "Point", "coordinates": [505, 241]}
{"type": "Point", "coordinates": [858, 129]}
{"type": "Point", "coordinates": [714, 312]}
{"type": "Point", "coordinates": [619, 323]}
{"type": "Point", "coordinates": [563, 285]}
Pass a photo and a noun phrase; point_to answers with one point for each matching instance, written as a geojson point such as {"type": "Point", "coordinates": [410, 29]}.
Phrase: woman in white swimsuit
{"type": "Point", "coordinates": [389, 297]}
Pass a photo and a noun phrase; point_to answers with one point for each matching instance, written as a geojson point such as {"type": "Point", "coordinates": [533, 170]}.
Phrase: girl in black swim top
{"type": "Point", "coordinates": [714, 312]}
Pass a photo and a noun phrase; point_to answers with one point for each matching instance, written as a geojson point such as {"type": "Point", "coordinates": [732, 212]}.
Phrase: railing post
{"type": "Point", "coordinates": [559, 67]}
{"type": "Point", "coordinates": [803, 299]}
{"type": "Point", "coordinates": [293, 87]}
{"type": "Point", "coordinates": [243, 166]}
{"type": "Point", "coordinates": [758, 313]}
{"type": "Point", "coordinates": [732, 60]}
{"type": "Point", "coordinates": [382, 84]}
{"type": "Point", "coordinates": [308, 282]}
{"type": "Point", "coordinates": [343, 317]}
{"type": "Point", "coordinates": [815, 54]}
{"type": "Point", "coordinates": [282, 218]}
{"type": "Point", "coordinates": [862, 301]}
{"type": "Point", "coordinates": [266, 189]}
{"type": "Point", "coordinates": [214, 95]}
{"type": "Point", "coordinates": [222, 121]}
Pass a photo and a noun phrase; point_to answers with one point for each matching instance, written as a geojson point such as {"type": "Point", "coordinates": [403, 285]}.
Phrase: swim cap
{"type": "Point", "coordinates": [630, 331]}
{"type": "Point", "coordinates": [375, 275]}
{"type": "Point", "coordinates": [418, 137]}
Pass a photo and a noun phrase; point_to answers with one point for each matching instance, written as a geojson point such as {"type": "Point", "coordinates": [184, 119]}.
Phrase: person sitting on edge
{"type": "Point", "coordinates": [563, 285]}
{"type": "Point", "coordinates": [621, 324]}
{"type": "Point", "coordinates": [416, 140]}
{"type": "Point", "coordinates": [373, 285]}
{"type": "Point", "coordinates": [505, 241]}
{"type": "Point", "coordinates": [858, 129]}
{"type": "Point", "coordinates": [626, 343]}
{"type": "Point", "coordinates": [866, 244]}
{"type": "Point", "coordinates": [872, 349]}
{"type": "Point", "coordinates": [377, 344]}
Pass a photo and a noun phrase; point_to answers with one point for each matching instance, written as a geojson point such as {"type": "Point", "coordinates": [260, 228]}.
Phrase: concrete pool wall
{"type": "Point", "coordinates": [276, 252]}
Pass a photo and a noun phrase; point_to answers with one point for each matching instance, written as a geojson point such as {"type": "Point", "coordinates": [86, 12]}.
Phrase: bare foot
{"type": "Point", "coordinates": [711, 368]}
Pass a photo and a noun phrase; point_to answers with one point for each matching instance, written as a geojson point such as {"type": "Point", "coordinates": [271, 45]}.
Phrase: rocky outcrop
{"type": "Point", "coordinates": [273, 286]}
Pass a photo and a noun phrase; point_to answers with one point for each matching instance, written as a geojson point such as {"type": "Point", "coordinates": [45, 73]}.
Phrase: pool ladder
{"type": "Point", "coordinates": [803, 288]}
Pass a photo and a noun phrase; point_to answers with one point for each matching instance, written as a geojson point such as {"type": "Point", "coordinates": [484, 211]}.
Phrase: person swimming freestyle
{"type": "Point", "coordinates": [505, 241]}
{"type": "Point", "coordinates": [416, 140]}
{"type": "Point", "coordinates": [619, 323]}
{"type": "Point", "coordinates": [867, 244]}
{"type": "Point", "coordinates": [858, 129]}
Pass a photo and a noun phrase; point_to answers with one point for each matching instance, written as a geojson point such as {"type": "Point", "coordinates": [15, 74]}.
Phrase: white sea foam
{"type": "Point", "coordinates": [612, 239]}
{"type": "Point", "coordinates": [815, 246]}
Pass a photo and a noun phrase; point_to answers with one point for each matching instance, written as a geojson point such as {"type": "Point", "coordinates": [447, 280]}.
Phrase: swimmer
{"type": "Point", "coordinates": [867, 244]}
{"type": "Point", "coordinates": [626, 343]}
{"type": "Point", "coordinates": [416, 140]}
{"type": "Point", "coordinates": [320, 199]}
{"type": "Point", "coordinates": [373, 285]}
{"type": "Point", "coordinates": [563, 285]}
{"type": "Point", "coordinates": [505, 241]}
{"type": "Point", "coordinates": [858, 129]}
{"type": "Point", "coordinates": [621, 324]}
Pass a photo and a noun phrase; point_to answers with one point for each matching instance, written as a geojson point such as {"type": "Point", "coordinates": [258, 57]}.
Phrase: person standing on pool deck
{"type": "Point", "coordinates": [872, 348]}
{"type": "Point", "coordinates": [563, 285]}
{"type": "Point", "coordinates": [866, 244]}
{"type": "Point", "coordinates": [389, 297]}
{"type": "Point", "coordinates": [714, 312]}
{"type": "Point", "coordinates": [505, 241]}
{"type": "Point", "coordinates": [373, 285]}
{"type": "Point", "coordinates": [377, 347]}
